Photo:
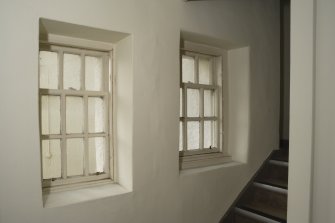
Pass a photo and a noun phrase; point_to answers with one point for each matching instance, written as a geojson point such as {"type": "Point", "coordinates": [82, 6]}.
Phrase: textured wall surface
{"type": "Point", "coordinates": [160, 193]}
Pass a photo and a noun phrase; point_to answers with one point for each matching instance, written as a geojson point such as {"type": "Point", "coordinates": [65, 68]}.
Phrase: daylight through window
{"type": "Point", "coordinates": [199, 105]}
{"type": "Point", "coordinates": [74, 114]}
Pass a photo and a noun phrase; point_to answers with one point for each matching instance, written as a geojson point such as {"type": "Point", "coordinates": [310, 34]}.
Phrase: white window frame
{"type": "Point", "coordinates": [105, 93]}
{"type": "Point", "coordinates": [205, 156]}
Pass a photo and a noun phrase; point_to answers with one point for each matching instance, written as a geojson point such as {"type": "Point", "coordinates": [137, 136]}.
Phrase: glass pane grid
{"type": "Point", "coordinates": [74, 105]}
{"type": "Point", "coordinates": [200, 104]}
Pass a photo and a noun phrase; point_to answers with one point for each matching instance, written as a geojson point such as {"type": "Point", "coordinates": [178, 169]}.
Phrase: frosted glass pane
{"type": "Point", "coordinates": [51, 159]}
{"type": "Point", "coordinates": [50, 114]}
{"type": "Point", "coordinates": [205, 71]}
{"type": "Point", "coordinates": [74, 115]}
{"type": "Point", "coordinates": [93, 73]}
{"type": "Point", "coordinates": [192, 103]}
{"type": "Point", "coordinates": [193, 135]}
{"type": "Point", "coordinates": [96, 112]}
{"type": "Point", "coordinates": [71, 73]}
{"type": "Point", "coordinates": [208, 103]}
{"type": "Point", "coordinates": [48, 70]}
{"type": "Point", "coordinates": [180, 136]}
{"type": "Point", "coordinates": [208, 134]}
{"type": "Point", "coordinates": [96, 156]}
{"type": "Point", "coordinates": [188, 74]}
{"type": "Point", "coordinates": [181, 102]}
{"type": "Point", "coordinates": [75, 157]}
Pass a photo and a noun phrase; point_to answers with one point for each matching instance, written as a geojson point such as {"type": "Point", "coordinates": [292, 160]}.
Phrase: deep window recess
{"type": "Point", "coordinates": [75, 115]}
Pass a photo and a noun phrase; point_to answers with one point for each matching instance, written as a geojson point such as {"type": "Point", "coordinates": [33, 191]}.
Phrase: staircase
{"type": "Point", "coordinates": [265, 198]}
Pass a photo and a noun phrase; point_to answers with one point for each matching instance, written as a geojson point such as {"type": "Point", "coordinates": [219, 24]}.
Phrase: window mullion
{"type": "Point", "coordinates": [185, 115]}
{"type": "Point", "coordinates": [86, 152]}
{"type": "Point", "coordinates": [63, 133]}
{"type": "Point", "coordinates": [63, 116]}
{"type": "Point", "coordinates": [217, 111]}
{"type": "Point", "coordinates": [82, 72]}
{"type": "Point", "coordinates": [201, 105]}
{"type": "Point", "coordinates": [108, 119]}
{"type": "Point", "coordinates": [85, 138]}
{"type": "Point", "coordinates": [196, 69]}
{"type": "Point", "coordinates": [60, 69]}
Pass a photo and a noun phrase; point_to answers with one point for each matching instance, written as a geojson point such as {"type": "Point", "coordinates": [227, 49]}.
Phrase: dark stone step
{"type": "Point", "coordinates": [274, 174]}
{"type": "Point", "coordinates": [280, 155]}
{"type": "Point", "coordinates": [270, 201]}
{"type": "Point", "coordinates": [264, 199]}
{"type": "Point", "coordinates": [256, 215]}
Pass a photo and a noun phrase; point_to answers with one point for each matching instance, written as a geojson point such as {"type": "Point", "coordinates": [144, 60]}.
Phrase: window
{"type": "Point", "coordinates": [75, 117]}
{"type": "Point", "coordinates": [201, 102]}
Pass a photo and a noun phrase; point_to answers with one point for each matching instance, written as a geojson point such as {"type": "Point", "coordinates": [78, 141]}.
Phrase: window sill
{"type": "Point", "coordinates": [64, 197]}
{"type": "Point", "coordinates": [203, 160]}
{"type": "Point", "coordinates": [196, 170]}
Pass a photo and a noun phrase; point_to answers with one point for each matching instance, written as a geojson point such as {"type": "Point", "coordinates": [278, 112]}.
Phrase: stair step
{"type": "Point", "coordinates": [265, 199]}
{"type": "Point", "coordinates": [274, 173]}
{"type": "Point", "coordinates": [278, 162]}
{"type": "Point", "coordinates": [261, 214]}
{"type": "Point", "coordinates": [247, 216]}
{"type": "Point", "coordinates": [280, 155]}
{"type": "Point", "coordinates": [274, 182]}
{"type": "Point", "coordinates": [270, 187]}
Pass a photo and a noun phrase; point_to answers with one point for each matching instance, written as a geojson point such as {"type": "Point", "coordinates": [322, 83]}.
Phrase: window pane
{"type": "Point", "coordinates": [48, 70]}
{"type": "Point", "coordinates": [193, 102]}
{"type": "Point", "coordinates": [96, 156]}
{"type": "Point", "coordinates": [208, 103]}
{"type": "Point", "coordinates": [96, 113]}
{"type": "Point", "coordinates": [180, 136]}
{"type": "Point", "coordinates": [188, 74]}
{"type": "Point", "coordinates": [51, 158]}
{"type": "Point", "coordinates": [208, 134]}
{"type": "Point", "coordinates": [71, 73]}
{"type": "Point", "coordinates": [74, 115]}
{"type": "Point", "coordinates": [75, 157]}
{"type": "Point", "coordinates": [93, 73]}
{"type": "Point", "coordinates": [193, 135]}
{"type": "Point", "coordinates": [205, 71]}
{"type": "Point", "coordinates": [50, 114]}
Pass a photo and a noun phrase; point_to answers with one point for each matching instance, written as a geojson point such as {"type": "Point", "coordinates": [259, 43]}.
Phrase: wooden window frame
{"type": "Point", "coordinates": [105, 93]}
{"type": "Point", "coordinates": [204, 156]}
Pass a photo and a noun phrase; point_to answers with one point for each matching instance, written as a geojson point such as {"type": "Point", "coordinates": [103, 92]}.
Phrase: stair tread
{"type": "Point", "coordinates": [242, 215]}
{"type": "Point", "coordinates": [265, 210]}
{"type": "Point", "coordinates": [274, 182]}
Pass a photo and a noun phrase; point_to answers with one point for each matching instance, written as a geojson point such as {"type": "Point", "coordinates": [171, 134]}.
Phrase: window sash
{"type": "Point", "coordinates": [85, 94]}
{"type": "Point", "coordinates": [185, 119]}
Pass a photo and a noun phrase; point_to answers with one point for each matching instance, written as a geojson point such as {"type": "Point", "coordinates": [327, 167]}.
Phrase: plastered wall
{"type": "Point", "coordinates": [160, 193]}
{"type": "Point", "coordinates": [324, 143]}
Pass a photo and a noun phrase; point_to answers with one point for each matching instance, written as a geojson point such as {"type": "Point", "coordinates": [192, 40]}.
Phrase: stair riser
{"type": "Point", "coordinates": [272, 171]}
{"type": "Point", "coordinates": [280, 155]}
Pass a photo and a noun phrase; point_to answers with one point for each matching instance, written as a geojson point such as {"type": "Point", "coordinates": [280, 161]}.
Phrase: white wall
{"type": "Point", "coordinates": [324, 155]}
{"type": "Point", "coordinates": [301, 111]}
{"type": "Point", "coordinates": [312, 127]}
{"type": "Point", "coordinates": [160, 193]}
